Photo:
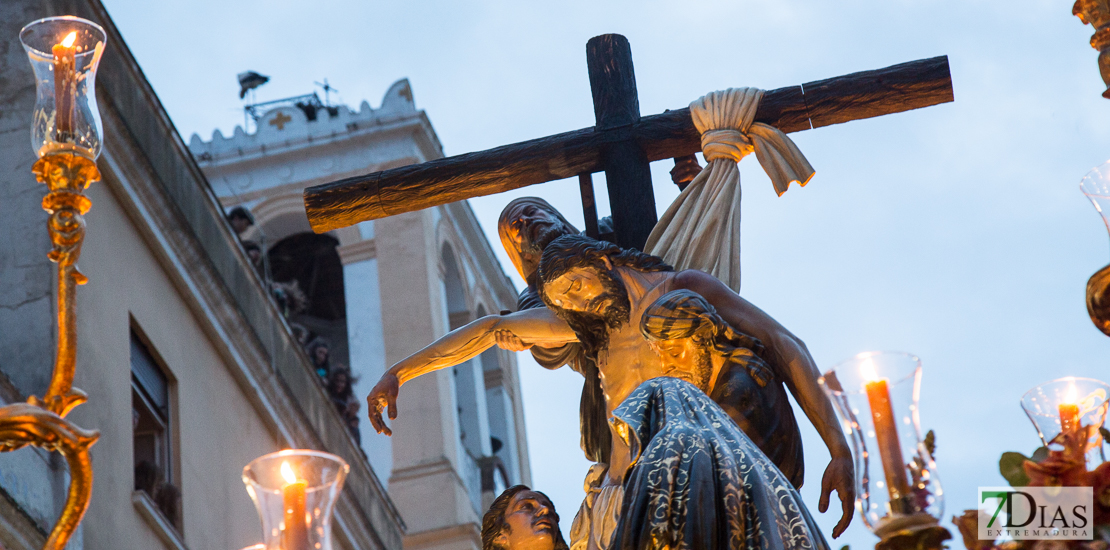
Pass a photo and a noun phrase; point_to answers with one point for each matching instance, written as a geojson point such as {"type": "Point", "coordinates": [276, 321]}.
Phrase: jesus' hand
{"type": "Point", "coordinates": [839, 475]}
{"type": "Point", "coordinates": [384, 395]}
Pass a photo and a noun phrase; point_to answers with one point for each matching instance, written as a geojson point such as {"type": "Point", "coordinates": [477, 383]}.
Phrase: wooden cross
{"type": "Point", "coordinates": [622, 144]}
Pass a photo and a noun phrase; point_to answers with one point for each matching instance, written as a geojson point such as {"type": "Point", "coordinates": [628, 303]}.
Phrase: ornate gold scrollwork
{"type": "Point", "coordinates": [1098, 299]}
{"type": "Point", "coordinates": [67, 176]}
{"type": "Point", "coordinates": [41, 421]}
{"type": "Point", "coordinates": [1097, 14]}
{"type": "Point", "coordinates": [23, 424]}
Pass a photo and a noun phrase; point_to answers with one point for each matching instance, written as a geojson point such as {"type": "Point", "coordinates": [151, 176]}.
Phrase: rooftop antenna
{"type": "Point", "coordinates": [328, 89]}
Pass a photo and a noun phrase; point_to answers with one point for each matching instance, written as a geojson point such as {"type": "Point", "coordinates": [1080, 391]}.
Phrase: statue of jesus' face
{"type": "Point", "coordinates": [581, 290]}
{"type": "Point", "coordinates": [589, 295]}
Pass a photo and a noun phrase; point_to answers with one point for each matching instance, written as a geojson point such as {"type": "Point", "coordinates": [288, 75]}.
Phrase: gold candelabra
{"type": "Point", "coordinates": [64, 53]}
{"type": "Point", "coordinates": [1097, 14]}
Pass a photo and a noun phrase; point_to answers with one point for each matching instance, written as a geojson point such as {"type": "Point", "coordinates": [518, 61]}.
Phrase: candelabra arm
{"type": "Point", "coordinates": [929, 537]}
{"type": "Point", "coordinates": [41, 421]}
{"type": "Point", "coordinates": [66, 176]}
{"type": "Point", "coordinates": [23, 424]}
{"type": "Point", "coordinates": [1097, 14]}
{"type": "Point", "coordinates": [1098, 299]}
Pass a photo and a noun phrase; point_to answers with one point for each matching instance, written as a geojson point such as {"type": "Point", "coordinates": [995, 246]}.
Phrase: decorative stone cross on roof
{"type": "Point", "coordinates": [280, 120]}
{"type": "Point", "coordinates": [621, 144]}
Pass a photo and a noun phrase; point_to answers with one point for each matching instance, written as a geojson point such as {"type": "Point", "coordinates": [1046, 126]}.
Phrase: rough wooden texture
{"type": "Point", "coordinates": [589, 205]}
{"type": "Point", "coordinates": [627, 169]}
{"type": "Point", "coordinates": [612, 81]}
{"type": "Point", "coordinates": [851, 97]}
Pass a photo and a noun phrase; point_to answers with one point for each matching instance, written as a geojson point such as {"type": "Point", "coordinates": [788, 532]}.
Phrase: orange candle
{"type": "Point", "coordinates": [1069, 412]}
{"type": "Point", "coordinates": [1069, 417]}
{"type": "Point", "coordinates": [295, 536]}
{"type": "Point", "coordinates": [886, 432]}
{"type": "Point", "coordinates": [65, 85]}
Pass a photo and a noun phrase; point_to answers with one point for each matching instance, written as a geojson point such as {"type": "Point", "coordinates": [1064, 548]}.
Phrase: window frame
{"type": "Point", "coordinates": [166, 417]}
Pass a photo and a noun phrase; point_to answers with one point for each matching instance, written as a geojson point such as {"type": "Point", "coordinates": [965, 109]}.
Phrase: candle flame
{"type": "Point", "coordinates": [287, 473]}
{"type": "Point", "coordinates": [1072, 396]}
{"type": "Point", "coordinates": [867, 370]}
{"type": "Point", "coordinates": [70, 39]}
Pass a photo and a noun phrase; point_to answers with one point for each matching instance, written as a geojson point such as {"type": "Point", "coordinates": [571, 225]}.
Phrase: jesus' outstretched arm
{"type": "Point", "coordinates": [534, 327]}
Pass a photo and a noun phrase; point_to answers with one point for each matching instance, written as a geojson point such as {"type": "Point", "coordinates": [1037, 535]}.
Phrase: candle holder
{"type": "Point", "coordinates": [64, 53]}
{"type": "Point", "coordinates": [1096, 186]}
{"type": "Point", "coordinates": [1097, 14]}
{"type": "Point", "coordinates": [65, 133]}
{"type": "Point", "coordinates": [1069, 412]}
{"type": "Point", "coordinates": [295, 492]}
{"type": "Point", "coordinates": [898, 494]}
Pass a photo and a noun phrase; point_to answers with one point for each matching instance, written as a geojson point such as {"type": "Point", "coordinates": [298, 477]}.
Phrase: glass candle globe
{"type": "Point", "coordinates": [295, 492]}
{"type": "Point", "coordinates": [1073, 405]}
{"type": "Point", "coordinates": [1096, 186]}
{"type": "Point", "coordinates": [876, 396]}
{"type": "Point", "coordinates": [64, 53]}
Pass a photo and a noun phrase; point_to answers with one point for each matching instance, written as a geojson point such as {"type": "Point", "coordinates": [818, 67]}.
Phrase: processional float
{"type": "Point", "coordinates": [622, 144]}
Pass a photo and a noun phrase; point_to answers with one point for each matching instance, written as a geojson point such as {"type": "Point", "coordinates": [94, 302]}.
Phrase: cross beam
{"type": "Point", "coordinates": [622, 143]}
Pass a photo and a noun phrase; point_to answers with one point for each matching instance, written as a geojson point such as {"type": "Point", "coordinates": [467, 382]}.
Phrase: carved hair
{"type": "Point", "coordinates": [571, 251]}
{"type": "Point", "coordinates": [493, 523]}
{"type": "Point", "coordinates": [681, 314]}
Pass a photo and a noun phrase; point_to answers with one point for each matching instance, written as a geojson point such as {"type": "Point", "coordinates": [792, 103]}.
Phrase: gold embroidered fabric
{"type": "Point", "coordinates": [699, 483]}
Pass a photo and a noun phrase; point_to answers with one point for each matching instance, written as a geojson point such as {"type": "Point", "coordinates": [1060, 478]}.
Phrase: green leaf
{"type": "Point", "coordinates": [845, 547]}
{"type": "Point", "coordinates": [1040, 455]}
{"type": "Point", "coordinates": [1010, 468]}
{"type": "Point", "coordinates": [931, 444]}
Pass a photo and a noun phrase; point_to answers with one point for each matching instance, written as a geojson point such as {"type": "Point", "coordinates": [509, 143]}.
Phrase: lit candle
{"type": "Point", "coordinates": [1069, 411]}
{"type": "Point", "coordinates": [65, 85]}
{"type": "Point", "coordinates": [886, 432]}
{"type": "Point", "coordinates": [295, 536]}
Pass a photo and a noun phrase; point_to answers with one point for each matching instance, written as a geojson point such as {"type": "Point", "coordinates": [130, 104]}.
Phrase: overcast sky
{"type": "Point", "coordinates": [955, 232]}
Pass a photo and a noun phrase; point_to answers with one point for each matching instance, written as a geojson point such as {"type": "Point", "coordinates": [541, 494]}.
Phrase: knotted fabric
{"type": "Point", "coordinates": [701, 229]}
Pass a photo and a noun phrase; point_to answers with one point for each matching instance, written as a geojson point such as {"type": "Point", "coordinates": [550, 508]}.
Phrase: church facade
{"type": "Point", "coordinates": [191, 368]}
{"type": "Point", "coordinates": [377, 291]}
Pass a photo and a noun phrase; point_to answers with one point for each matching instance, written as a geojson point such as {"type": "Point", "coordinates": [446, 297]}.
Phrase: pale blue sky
{"type": "Point", "coordinates": [955, 232]}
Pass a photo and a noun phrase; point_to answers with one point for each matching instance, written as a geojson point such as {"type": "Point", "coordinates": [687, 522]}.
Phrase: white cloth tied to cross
{"type": "Point", "coordinates": [701, 229]}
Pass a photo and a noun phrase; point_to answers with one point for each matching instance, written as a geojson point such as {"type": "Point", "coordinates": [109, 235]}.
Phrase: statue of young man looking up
{"type": "Point", "coordinates": [522, 519]}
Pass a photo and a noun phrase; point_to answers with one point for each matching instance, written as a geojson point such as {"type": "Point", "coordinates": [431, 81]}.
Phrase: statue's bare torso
{"type": "Point", "coordinates": [628, 361]}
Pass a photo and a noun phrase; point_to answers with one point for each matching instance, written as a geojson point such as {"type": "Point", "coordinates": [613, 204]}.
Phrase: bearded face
{"type": "Point", "coordinates": [685, 358]}
{"type": "Point", "coordinates": [593, 294]}
{"type": "Point", "coordinates": [593, 301]}
{"type": "Point", "coordinates": [526, 228]}
{"type": "Point", "coordinates": [538, 234]}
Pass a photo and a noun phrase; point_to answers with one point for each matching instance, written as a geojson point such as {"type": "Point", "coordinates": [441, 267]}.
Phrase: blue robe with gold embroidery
{"type": "Point", "coordinates": [698, 483]}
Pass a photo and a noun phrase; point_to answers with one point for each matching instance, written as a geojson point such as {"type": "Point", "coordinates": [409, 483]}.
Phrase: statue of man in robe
{"type": "Point", "coordinates": [526, 226]}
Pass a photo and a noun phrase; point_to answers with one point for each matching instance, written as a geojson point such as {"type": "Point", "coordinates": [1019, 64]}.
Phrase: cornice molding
{"type": "Point", "coordinates": [359, 251]}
